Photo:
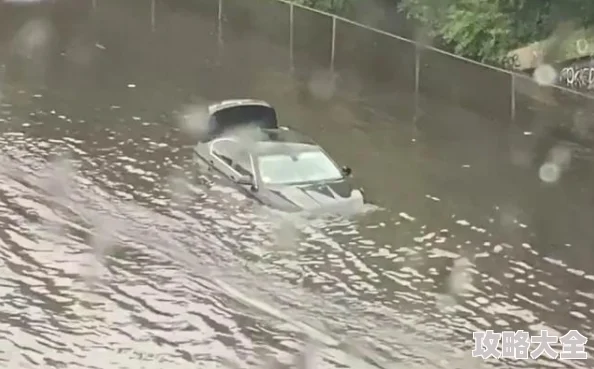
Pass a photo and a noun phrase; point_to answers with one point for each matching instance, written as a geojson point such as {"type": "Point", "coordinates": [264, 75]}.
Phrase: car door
{"type": "Point", "coordinates": [232, 159]}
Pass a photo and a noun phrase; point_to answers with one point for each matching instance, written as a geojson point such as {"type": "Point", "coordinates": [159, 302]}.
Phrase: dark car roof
{"type": "Point", "coordinates": [282, 141]}
{"type": "Point", "coordinates": [284, 135]}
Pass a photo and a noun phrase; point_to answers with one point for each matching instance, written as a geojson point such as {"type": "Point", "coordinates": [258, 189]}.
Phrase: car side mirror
{"type": "Point", "coordinates": [347, 171]}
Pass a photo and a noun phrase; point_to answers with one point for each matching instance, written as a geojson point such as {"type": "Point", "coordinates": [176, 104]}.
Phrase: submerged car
{"type": "Point", "coordinates": [277, 166]}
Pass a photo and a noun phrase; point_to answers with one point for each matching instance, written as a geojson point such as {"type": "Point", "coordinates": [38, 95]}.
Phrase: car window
{"type": "Point", "coordinates": [307, 166]}
{"type": "Point", "coordinates": [234, 155]}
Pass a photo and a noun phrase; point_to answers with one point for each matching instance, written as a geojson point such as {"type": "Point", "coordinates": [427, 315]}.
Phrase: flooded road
{"type": "Point", "coordinates": [112, 256]}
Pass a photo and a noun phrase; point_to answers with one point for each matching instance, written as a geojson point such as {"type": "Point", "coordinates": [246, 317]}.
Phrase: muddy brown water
{"type": "Point", "coordinates": [112, 256]}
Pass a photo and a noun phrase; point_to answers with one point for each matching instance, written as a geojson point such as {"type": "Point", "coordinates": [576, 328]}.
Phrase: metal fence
{"type": "Point", "coordinates": [395, 74]}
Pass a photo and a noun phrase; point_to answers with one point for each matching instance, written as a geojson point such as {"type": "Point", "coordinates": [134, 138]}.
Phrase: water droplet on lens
{"type": "Point", "coordinates": [545, 75]}
{"type": "Point", "coordinates": [549, 172]}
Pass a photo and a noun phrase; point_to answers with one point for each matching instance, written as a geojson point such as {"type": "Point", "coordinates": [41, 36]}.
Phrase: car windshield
{"type": "Point", "coordinates": [300, 167]}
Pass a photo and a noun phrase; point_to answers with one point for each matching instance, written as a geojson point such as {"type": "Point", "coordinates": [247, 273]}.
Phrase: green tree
{"type": "Point", "coordinates": [486, 30]}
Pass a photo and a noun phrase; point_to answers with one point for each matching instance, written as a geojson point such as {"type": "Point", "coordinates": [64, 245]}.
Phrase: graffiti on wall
{"type": "Point", "coordinates": [580, 75]}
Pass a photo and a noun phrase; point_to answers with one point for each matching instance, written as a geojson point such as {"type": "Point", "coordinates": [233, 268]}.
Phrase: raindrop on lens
{"type": "Point", "coordinates": [322, 85]}
{"type": "Point", "coordinates": [549, 172]}
{"type": "Point", "coordinates": [194, 120]}
{"type": "Point", "coordinates": [545, 75]}
{"type": "Point", "coordinates": [561, 156]}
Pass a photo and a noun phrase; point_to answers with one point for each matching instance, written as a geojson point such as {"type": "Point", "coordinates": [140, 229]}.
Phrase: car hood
{"type": "Point", "coordinates": [319, 195]}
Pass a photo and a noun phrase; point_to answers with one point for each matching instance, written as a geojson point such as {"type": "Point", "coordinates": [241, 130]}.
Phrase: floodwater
{"type": "Point", "coordinates": [112, 256]}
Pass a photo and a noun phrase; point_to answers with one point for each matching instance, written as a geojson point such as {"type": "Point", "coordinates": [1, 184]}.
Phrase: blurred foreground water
{"type": "Point", "coordinates": [113, 256]}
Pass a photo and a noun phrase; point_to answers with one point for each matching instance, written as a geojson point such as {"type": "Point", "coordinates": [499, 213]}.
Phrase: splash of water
{"type": "Point", "coordinates": [248, 133]}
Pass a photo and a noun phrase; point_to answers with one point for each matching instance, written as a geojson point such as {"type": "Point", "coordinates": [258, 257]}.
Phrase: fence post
{"type": "Point", "coordinates": [94, 4]}
{"type": "Point", "coordinates": [513, 98]}
{"type": "Point", "coordinates": [291, 38]}
{"type": "Point", "coordinates": [417, 85]}
{"type": "Point", "coordinates": [220, 25]}
{"type": "Point", "coordinates": [153, 15]}
{"type": "Point", "coordinates": [333, 49]}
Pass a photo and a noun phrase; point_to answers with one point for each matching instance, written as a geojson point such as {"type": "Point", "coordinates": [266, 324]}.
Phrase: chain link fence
{"type": "Point", "coordinates": [394, 73]}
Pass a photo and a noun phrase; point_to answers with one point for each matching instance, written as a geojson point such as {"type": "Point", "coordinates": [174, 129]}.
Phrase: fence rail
{"type": "Point", "coordinates": [316, 39]}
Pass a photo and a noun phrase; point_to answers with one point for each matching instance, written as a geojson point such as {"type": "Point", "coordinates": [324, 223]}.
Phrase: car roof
{"type": "Point", "coordinates": [284, 135]}
{"type": "Point", "coordinates": [278, 140]}
{"type": "Point", "coordinates": [271, 135]}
